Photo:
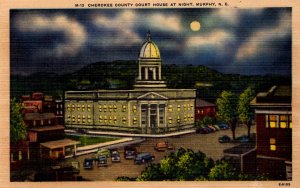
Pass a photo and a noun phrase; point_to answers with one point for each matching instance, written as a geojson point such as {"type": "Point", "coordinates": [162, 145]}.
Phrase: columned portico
{"type": "Point", "coordinates": [152, 116]}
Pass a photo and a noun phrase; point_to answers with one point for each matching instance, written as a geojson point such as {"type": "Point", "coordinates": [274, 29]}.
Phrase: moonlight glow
{"type": "Point", "coordinates": [195, 26]}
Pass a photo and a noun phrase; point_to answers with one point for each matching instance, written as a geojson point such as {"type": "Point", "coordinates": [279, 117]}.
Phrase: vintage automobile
{"type": "Point", "coordinates": [102, 151]}
{"type": "Point", "coordinates": [102, 161]}
{"type": "Point", "coordinates": [224, 139]}
{"type": "Point", "coordinates": [163, 146]}
{"type": "Point", "coordinates": [129, 152]}
{"type": "Point", "coordinates": [88, 163]}
{"type": "Point", "coordinates": [115, 156]}
{"type": "Point", "coordinates": [143, 158]}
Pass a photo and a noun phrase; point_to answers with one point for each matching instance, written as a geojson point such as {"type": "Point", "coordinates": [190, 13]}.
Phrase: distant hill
{"type": "Point", "coordinates": [121, 75]}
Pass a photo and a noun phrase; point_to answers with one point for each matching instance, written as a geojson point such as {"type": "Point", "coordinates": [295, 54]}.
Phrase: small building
{"type": "Point", "coordinates": [204, 108]}
{"type": "Point", "coordinates": [242, 157]}
{"type": "Point", "coordinates": [58, 149]}
{"type": "Point", "coordinates": [273, 116]}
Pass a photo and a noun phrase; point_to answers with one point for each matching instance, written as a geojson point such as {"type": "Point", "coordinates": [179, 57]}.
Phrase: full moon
{"type": "Point", "coordinates": [195, 26]}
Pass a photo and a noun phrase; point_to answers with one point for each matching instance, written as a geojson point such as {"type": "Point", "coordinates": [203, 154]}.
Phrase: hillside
{"type": "Point", "coordinates": [121, 75]}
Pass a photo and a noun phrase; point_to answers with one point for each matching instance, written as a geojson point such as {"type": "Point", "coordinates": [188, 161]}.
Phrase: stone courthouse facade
{"type": "Point", "coordinates": [150, 108]}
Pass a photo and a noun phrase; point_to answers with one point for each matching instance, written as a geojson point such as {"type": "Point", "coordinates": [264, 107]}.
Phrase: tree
{"type": "Point", "coordinates": [227, 109]}
{"type": "Point", "coordinates": [244, 110]}
{"type": "Point", "coordinates": [17, 126]}
{"type": "Point", "coordinates": [223, 171]}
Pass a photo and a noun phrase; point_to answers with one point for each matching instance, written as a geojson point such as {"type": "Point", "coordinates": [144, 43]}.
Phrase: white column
{"type": "Point", "coordinates": [148, 115]}
{"type": "Point", "coordinates": [146, 73]}
{"type": "Point", "coordinates": [140, 73]}
{"type": "Point", "coordinates": [159, 73]}
{"type": "Point", "coordinates": [154, 73]}
{"type": "Point", "coordinates": [157, 115]}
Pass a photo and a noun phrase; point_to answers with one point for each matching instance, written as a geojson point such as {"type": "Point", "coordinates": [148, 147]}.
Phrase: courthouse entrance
{"type": "Point", "coordinates": [152, 117]}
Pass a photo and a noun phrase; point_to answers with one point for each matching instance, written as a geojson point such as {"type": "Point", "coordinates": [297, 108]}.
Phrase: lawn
{"type": "Point", "coordinates": [86, 140]}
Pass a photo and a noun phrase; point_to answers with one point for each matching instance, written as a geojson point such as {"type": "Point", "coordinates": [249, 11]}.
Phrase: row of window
{"type": "Point", "coordinates": [102, 119]}
{"type": "Point", "coordinates": [279, 121]}
{"type": "Point", "coordinates": [79, 107]}
{"type": "Point", "coordinates": [179, 107]}
{"type": "Point", "coordinates": [42, 122]}
{"type": "Point", "coordinates": [188, 117]}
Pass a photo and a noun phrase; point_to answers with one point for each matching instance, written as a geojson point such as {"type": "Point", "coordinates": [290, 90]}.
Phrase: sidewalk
{"type": "Point", "coordinates": [108, 145]}
{"type": "Point", "coordinates": [136, 135]}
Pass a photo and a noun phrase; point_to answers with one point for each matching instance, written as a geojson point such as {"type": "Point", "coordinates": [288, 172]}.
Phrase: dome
{"type": "Point", "coordinates": [149, 49]}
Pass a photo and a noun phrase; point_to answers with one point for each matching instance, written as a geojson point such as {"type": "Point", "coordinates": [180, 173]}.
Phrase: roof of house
{"type": "Point", "coordinates": [47, 128]}
{"type": "Point", "coordinates": [59, 143]}
{"type": "Point", "coordinates": [277, 95]}
{"type": "Point", "coordinates": [203, 103]}
{"type": "Point", "coordinates": [39, 116]}
{"type": "Point", "coordinates": [240, 149]}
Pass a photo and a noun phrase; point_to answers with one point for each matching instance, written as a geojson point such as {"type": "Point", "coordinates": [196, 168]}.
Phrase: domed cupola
{"type": "Point", "coordinates": [149, 49]}
{"type": "Point", "coordinates": [149, 75]}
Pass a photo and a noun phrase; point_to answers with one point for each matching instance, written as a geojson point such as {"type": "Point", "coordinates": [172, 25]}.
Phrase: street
{"type": "Point", "coordinates": [206, 143]}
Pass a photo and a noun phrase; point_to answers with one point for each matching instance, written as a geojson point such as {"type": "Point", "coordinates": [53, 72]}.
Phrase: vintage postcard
{"type": "Point", "coordinates": [149, 93]}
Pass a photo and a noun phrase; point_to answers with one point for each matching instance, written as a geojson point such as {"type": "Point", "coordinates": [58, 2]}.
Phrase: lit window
{"type": "Point", "coordinates": [78, 107]}
{"type": "Point", "coordinates": [110, 108]}
{"type": "Point", "coordinates": [178, 119]}
{"type": "Point", "coordinates": [105, 119]}
{"type": "Point", "coordinates": [83, 108]}
{"type": "Point", "coordinates": [134, 120]}
{"type": "Point", "coordinates": [184, 119]}
{"type": "Point", "coordinates": [271, 121]}
{"type": "Point", "coordinates": [290, 121]}
{"type": "Point", "coordinates": [178, 108]}
{"type": "Point", "coordinates": [73, 107]}
{"type": "Point", "coordinates": [115, 108]}
{"type": "Point", "coordinates": [134, 108]}
{"type": "Point", "coordinates": [283, 121]}
{"type": "Point", "coordinates": [170, 120]}
{"type": "Point", "coordinates": [88, 107]}
{"type": "Point", "coordinates": [184, 107]}
{"type": "Point", "coordinates": [272, 147]}
{"type": "Point", "coordinates": [100, 119]}
{"type": "Point", "coordinates": [124, 120]}
{"type": "Point", "coordinates": [20, 155]}
{"type": "Point", "coordinates": [115, 119]}
{"type": "Point", "coordinates": [68, 107]}
{"type": "Point", "coordinates": [100, 108]}
{"type": "Point", "coordinates": [272, 144]}
{"type": "Point", "coordinates": [124, 108]}
{"type": "Point", "coordinates": [104, 108]}
{"type": "Point", "coordinates": [170, 108]}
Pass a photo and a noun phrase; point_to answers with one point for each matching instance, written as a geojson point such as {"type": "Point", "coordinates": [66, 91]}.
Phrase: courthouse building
{"type": "Point", "coordinates": [149, 108]}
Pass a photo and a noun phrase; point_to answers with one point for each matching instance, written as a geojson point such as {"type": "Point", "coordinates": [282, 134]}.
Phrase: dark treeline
{"type": "Point", "coordinates": [121, 75]}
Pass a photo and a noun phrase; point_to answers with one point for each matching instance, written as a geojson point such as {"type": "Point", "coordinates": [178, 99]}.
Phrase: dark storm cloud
{"type": "Point", "coordinates": [246, 41]}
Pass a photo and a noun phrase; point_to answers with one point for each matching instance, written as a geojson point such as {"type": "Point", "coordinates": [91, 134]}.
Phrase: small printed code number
{"type": "Point", "coordinates": [284, 184]}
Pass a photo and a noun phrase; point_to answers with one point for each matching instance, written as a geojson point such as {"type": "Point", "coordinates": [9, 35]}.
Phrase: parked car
{"type": "Point", "coordinates": [129, 152]}
{"type": "Point", "coordinates": [115, 156]}
{"type": "Point", "coordinates": [88, 163]}
{"type": "Point", "coordinates": [102, 151]}
{"type": "Point", "coordinates": [102, 161]}
{"type": "Point", "coordinates": [243, 139]}
{"type": "Point", "coordinates": [203, 130]}
{"type": "Point", "coordinates": [224, 139]}
{"type": "Point", "coordinates": [216, 127]}
{"type": "Point", "coordinates": [212, 128]}
{"type": "Point", "coordinates": [209, 130]}
{"type": "Point", "coordinates": [223, 126]}
{"type": "Point", "coordinates": [163, 146]}
{"type": "Point", "coordinates": [143, 158]}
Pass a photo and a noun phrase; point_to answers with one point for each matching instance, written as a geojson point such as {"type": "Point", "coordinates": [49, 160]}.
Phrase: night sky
{"type": "Point", "coordinates": [244, 41]}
